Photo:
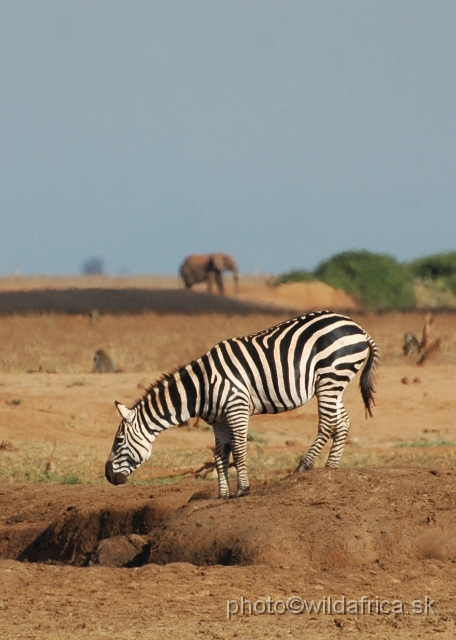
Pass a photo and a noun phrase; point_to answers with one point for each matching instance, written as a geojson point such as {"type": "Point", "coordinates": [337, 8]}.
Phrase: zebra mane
{"type": "Point", "coordinates": [159, 383]}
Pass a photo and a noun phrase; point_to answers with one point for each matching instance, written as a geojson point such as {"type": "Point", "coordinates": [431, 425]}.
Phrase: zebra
{"type": "Point", "coordinates": [272, 371]}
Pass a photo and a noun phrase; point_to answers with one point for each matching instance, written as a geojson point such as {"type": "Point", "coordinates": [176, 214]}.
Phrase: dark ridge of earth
{"type": "Point", "coordinates": [321, 521]}
{"type": "Point", "coordinates": [128, 301]}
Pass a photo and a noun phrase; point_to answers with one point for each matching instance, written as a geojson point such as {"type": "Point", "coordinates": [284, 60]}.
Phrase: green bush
{"type": "Point", "coordinates": [379, 280]}
{"type": "Point", "coordinates": [451, 283]}
{"type": "Point", "coordinates": [438, 267]}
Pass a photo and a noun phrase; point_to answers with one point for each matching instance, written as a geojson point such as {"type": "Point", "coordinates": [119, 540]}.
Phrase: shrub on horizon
{"type": "Point", "coordinates": [378, 281]}
{"type": "Point", "coordinates": [93, 267]}
{"type": "Point", "coordinates": [438, 267]}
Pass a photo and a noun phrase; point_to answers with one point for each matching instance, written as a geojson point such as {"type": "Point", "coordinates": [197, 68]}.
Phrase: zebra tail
{"type": "Point", "coordinates": [367, 381]}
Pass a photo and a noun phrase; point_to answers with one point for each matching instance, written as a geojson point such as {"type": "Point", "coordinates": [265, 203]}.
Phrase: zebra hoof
{"type": "Point", "coordinates": [242, 492]}
{"type": "Point", "coordinates": [302, 467]}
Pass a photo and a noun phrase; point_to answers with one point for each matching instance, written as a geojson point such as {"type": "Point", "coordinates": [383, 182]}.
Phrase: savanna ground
{"type": "Point", "coordinates": [381, 526]}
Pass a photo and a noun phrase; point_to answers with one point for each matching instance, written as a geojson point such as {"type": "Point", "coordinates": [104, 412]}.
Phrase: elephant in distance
{"type": "Point", "coordinates": [208, 268]}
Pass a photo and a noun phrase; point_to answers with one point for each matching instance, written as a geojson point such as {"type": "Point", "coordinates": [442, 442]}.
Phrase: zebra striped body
{"type": "Point", "coordinates": [272, 371]}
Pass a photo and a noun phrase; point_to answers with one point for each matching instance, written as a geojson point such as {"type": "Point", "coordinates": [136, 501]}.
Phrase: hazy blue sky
{"type": "Point", "coordinates": [282, 132]}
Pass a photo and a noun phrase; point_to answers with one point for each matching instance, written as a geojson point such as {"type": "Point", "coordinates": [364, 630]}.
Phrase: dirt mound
{"type": "Point", "coordinates": [302, 296]}
{"type": "Point", "coordinates": [79, 537]}
{"type": "Point", "coordinates": [117, 301]}
{"type": "Point", "coordinates": [54, 523]}
{"type": "Point", "coordinates": [322, 520]}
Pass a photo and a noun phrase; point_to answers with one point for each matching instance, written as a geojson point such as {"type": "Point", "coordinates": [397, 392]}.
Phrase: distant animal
{"type": "Point", "coordinates": [411, 344]}
{"type": "Point", "coordinates": [208, 268]}
{"type": "Point", "coordinates": [272, 371]}
{"type": "Point", "coordinates": [94, 316]}
{"type": "Point", "coordinates": [102, 363]}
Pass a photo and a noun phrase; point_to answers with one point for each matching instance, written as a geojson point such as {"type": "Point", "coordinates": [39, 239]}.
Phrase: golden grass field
{"type": "Point", "coordinates": [49, 392]}
{"type": "Point", "coordinates": [57, 423]}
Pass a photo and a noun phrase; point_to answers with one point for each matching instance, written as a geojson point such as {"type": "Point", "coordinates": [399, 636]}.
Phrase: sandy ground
{"type": "Point", "coordinates": [161, 557]}
{"type": "Point", "coordinates": [70, 424]}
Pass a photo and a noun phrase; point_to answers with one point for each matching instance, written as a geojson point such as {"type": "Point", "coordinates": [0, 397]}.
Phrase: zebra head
{"type": "Point", "coordinates": [130, 449]}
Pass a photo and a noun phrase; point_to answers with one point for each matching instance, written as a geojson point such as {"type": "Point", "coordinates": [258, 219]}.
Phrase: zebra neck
{"type": "Point", "coordinates": [172, 400]}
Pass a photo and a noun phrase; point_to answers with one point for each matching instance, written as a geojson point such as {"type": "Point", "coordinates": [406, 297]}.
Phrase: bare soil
{"type": "Point", "coordinates": [128, 301]}
{"type": "Point", "coordinates": [387, 535]}
{"type": "Point", "coordinates": [103, 294]}
{"type": "Point", "coordinates": [161, 556]}
{"type": "Point", "coordinates": [300, 295]}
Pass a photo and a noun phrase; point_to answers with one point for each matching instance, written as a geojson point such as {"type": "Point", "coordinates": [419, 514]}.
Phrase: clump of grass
{"type": "Point", "coordinates": [71, 480]}
{"type": "Point", "coordinates": [423, 457]}
{"type": "Point", "coordinates": [16, 401]}
{"type": "Point", "coordinates": [255, 437]}
{"type": "Point", "coordinates": [137, 481]}
{"type": "Point", "coordinates": [426, 443]}
{"type": "Point", "coordinates": [34, 476]}
{"type": "Point", "coordinates": [54, 478]}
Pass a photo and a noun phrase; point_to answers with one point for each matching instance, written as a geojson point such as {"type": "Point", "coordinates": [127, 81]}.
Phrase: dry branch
{"type": "Point", "coordinates": [430, 349]}
{"type": "Point", "coordinates": [425, 348]}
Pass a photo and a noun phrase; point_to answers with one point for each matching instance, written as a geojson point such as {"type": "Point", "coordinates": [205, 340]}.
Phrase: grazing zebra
{"type": "Point", "coordinates": [272, 371]}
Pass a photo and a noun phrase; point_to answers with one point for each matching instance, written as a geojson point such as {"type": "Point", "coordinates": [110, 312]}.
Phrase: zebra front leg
{"type": "Point", "coordinates": [222, 458]}
{"type": "Point", "coordinates": [339, 438]}
{"type": "Point", "coordinates": [238, 428]}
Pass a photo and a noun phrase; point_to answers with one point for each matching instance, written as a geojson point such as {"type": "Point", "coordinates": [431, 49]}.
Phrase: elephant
{"type": "Point", "coordinates": [208, 268]}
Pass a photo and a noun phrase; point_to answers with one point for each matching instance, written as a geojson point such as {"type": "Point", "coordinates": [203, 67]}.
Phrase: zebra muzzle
{"type": "Point", "coordinates": [112, 476]}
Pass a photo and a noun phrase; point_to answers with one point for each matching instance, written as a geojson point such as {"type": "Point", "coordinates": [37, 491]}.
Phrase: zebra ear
{"type": "Point", "coordinates": [127, 414]}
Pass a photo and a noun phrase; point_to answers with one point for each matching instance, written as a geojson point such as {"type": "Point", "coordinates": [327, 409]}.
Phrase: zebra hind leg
{"type": "Point", "coordinates": [222, 458]}
{"type": "Point", "coordinates": [339, 437]}
{"type": "Point", "coordinates": [327, 412]}
{"type": "Point", "coordinates": [308, 460]}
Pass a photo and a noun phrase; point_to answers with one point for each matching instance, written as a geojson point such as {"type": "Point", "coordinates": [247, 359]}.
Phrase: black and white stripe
{"type": "Point", "coordinates": [272, 371]}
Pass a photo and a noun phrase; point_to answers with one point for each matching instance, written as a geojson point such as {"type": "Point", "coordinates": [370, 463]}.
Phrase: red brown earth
{"type": "Point", "coordinates": [161, 558]}
{"type": "Point", "coordinates": [386, 534]}
{"type": "Point", "coordinates": [321, 521]}
{"type": "Point", "coordinates": [385, 530]}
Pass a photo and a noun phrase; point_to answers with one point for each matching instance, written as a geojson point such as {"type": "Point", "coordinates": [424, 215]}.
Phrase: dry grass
{"type": "Point", "coordinates": [143, 343]}
{"type": "Point", "coordinates": [28, 462]}
{"type": "Point", "coordinates": [434, 295]}
{"type": "Point", "coordinates": [151, 342]}
{"type": "Point", "coordinates": [438, 457]}
{"type": "Point", "coordinates": [388, 332]}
